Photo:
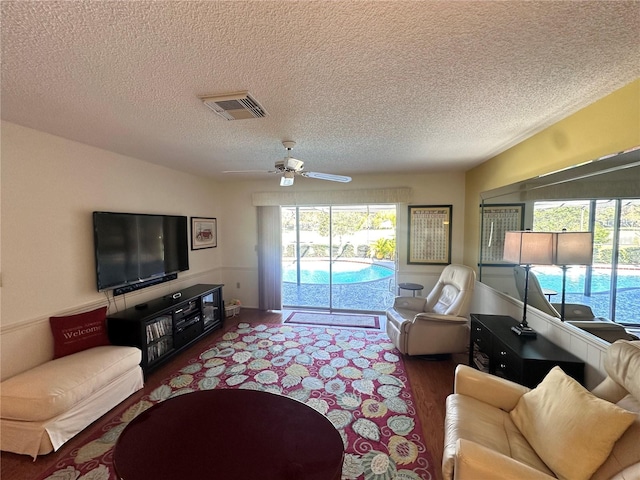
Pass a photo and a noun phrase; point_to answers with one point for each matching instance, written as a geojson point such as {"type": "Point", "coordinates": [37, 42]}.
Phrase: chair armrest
{"type": "Point", "coordinates": [476, 462]}
{"type": "Point", "coordinates": [438, 317]}
{"type": "Point", "coordinates": [606, 330]}
{"type": "Point", "coordinates": [415, 304]}
{"type": "Point", "coordinates": [495, 391]}
{"type": "Point", "coordinates": [577, 311]}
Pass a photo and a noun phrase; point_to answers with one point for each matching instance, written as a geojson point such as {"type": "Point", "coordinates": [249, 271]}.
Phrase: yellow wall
{"type": "Point", "coordinates": [607, 126]}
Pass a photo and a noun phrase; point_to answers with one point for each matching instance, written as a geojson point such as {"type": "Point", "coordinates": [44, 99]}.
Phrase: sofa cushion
{"type": "Point", "coordinates": [74, 333]}
{"type": "Point", "coordinates": [571, 429]}
{"type": "Point", "coordinates": [56, 386]}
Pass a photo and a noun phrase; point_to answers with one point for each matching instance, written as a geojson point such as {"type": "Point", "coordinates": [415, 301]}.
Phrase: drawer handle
{"type": "Point", "coordinates": [478, 329]}
{"type": "Point", "coordinates": [503, 353]}
{"type": "Point", "coordinates": [503, 366]}
{"type": "Point", "coordinates": [178, 311]}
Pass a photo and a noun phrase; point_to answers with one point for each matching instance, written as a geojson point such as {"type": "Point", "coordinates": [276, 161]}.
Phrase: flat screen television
{"type": "Point", "coordinates": [133, 249]}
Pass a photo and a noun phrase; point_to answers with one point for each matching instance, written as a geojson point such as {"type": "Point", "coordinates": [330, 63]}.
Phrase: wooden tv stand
{"type": "Point", "coordinates": [164, 326]}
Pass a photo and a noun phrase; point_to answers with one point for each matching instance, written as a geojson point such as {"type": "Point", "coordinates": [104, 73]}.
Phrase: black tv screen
{"type": "Point", "coordinates": [134, 248]}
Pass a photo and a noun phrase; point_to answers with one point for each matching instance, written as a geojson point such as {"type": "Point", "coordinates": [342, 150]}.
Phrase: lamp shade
{"type": "Point", "coordinates": [529, 248]}
{"type": "Point", "coordinates": [574, 248]}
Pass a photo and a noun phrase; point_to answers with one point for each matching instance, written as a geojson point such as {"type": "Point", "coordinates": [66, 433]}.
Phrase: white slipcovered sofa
{"type": "Point", "coordinates": [42, 408]}
{"type": "Point", "coordinates": [497, 429]}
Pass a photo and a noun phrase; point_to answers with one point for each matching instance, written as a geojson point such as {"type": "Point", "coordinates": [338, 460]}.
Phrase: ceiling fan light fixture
{"type": "Point", "coordinates": [287, 179]}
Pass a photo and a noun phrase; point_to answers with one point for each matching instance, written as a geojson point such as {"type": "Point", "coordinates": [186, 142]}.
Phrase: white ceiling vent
{"type": "Point", "coordinates": [234, 106]}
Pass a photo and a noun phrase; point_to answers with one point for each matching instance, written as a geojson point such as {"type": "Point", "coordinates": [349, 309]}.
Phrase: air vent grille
{"type": "Point", "coordinates": [234, 106]}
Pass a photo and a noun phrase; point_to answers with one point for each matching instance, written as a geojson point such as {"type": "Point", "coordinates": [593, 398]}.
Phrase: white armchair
{"type": "Point", "coordinates": [438, 323]}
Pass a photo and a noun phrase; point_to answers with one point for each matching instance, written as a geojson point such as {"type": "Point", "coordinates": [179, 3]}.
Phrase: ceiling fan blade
{"type": "Point", "coordinates": [249, 171]}
{"type": "Point", "coordinates": [327, 176]}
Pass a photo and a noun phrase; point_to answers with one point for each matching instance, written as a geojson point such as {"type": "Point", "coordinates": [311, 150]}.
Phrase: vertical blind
{"type": "Point", "coordinates": [269, 258]}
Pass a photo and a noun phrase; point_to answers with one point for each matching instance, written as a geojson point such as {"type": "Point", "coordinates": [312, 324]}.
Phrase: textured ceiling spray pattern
{"type": "Point", "coordinates": [362, 86]}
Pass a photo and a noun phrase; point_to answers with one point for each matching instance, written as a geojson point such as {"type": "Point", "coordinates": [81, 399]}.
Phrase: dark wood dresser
{"type": "Point", "coordinates": [496, 349]}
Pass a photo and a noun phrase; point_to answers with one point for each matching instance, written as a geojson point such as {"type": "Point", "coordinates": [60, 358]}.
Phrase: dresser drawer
{"type": "Point", "coordinates": [505, 362]}
{"type": "Point", "coordinates": [481, 336]}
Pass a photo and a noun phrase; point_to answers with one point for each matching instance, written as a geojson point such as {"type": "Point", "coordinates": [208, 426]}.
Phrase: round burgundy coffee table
{"type": "Point", "coordinates": [229, 433]}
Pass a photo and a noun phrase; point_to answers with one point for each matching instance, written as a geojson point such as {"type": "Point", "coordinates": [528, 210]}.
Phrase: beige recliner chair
{"type": "Point", "coordinates": [438, 323]}
{"type": "Point", "coordinates": [537, 299]}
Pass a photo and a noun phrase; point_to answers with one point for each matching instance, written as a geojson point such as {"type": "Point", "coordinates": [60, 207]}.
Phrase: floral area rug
{"type": "Point", "coordinates": [356, 378]}
{"type": "Point", "coordinates": [334, 319]}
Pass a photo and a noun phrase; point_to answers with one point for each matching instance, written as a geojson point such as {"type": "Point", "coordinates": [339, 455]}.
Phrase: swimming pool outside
{"type": "Point", "coordinates": [339, 271]}
{"type": "Point", "coordinates": [627, 297]}
{"type": "Point", "coordinates": [357, 285]}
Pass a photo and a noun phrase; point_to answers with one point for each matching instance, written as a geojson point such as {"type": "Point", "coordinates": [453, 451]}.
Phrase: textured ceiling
{"type": "Point", "coordinates": [361, 86]}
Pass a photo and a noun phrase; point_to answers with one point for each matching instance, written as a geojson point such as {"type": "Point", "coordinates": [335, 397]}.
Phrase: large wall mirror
{"type": "Point", "coordinates": [603, 197]}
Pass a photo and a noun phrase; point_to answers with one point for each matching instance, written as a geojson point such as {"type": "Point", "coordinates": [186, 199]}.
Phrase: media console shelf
{"type": "Point", "coordinates": [524, 360]}
{"type": "Point", "coordinates": [164, 326]}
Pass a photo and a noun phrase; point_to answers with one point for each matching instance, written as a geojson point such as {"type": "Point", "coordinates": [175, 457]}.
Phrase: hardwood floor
{"type": "Point", "coordinates": [431, 382]}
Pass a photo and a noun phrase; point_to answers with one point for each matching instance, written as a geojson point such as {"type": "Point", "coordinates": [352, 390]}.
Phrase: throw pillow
{"type": "Point", "coordinates": [74, 333]}
{"type": "Point", "coordinates": [571, 430]}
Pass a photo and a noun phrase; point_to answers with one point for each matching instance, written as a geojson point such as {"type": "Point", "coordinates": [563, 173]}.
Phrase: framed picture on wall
{"type": "Point", "coordinates": [429, 234]}
{"type": "Point", "coordinates": [496, 220]}
{"type": "Point", "coordinates": [203, 233]}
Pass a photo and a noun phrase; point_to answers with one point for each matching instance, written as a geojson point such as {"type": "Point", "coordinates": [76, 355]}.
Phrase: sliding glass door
{"type": "Point", "coordinates": [339, 257]}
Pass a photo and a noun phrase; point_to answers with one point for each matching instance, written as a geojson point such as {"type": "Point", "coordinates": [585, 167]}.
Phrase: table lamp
{"type": "Point", "coordinates": [572, 248]}
{"type": "Point", "coordinates": [528, 248]}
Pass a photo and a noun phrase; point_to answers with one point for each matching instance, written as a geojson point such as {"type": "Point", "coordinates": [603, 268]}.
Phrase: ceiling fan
{"type": "Point", "coordinates": [289, 167]}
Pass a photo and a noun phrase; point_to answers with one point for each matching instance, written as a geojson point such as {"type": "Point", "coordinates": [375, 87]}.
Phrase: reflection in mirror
{"type": "Point", "coordinates": [602, 197]}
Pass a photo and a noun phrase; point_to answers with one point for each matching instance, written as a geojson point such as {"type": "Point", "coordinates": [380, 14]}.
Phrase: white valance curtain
{"type": "Point", "coordinates": [333, 197]}
{"type": "Point", "coordinates": [269, 258]}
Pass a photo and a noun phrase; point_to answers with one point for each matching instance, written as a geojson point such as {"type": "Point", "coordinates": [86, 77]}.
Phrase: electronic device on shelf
{"type": "Point", "coordinates": [166, 326]}
{"type": "Point", "coordinates": [134, 251]}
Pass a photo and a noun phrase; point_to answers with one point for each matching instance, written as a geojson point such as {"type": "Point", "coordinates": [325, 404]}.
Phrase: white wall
{"type": "Point", "coordinates": [50, 187]}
